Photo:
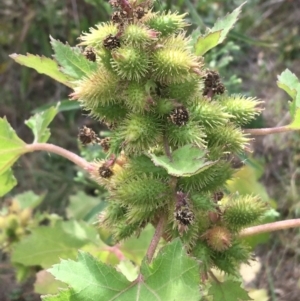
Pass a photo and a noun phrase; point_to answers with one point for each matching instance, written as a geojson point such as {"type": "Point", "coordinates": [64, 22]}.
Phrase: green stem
{"type": "Point", "coordinates": [51, 148]}
{"type": "Point", "coordinates": [268, 131]}
{"type": "Point", "coordinates": [282, 225]}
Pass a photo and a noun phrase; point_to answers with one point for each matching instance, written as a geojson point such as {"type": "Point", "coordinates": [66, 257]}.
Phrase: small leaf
{"type": "Point", "coordinates": [90, 279]}
{"type": "Point", "coordinates": [47, 244]}
{"type": "Point", "coordinates": [228, 291]}
{"type": "Point", "coordinates": [42, 65]}
{"type": "Point", "coordinates": [81, 205]}
{"type": "Point", "coordinates": [226, 23]}
{"type": "Point", "coordinates": [290, 83]}
{"type": "Point", "coordinates": [28, 199]}
{"type": "Point", "coordinates": [218, 33]}
{"type": "Point", "coordinates": [172, 276]}
{"type": "Point", "coordinates": [39, 123]}
{"type": "Point", "coordinates": [135, 248]}
{"type": "Point", "coordinates": [186, 161]}
{"type": "Point", "coordinates": [7, 182]}
{"type": "Point", "coordinates": [11, 146]}
{"type": "Point", "coordinates": [64, 106]}
{"type": "Point", "coordinates": [295, 124]}
{"type": "Point", "coordinates": [128, 269]}
{"type": "Point", "coordinates": [207, 42]}
{"type": "Point", "coordinates": [73, 63]}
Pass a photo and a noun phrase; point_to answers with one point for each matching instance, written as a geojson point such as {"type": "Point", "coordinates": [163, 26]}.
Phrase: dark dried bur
{"type": "Point", "coordinates": [212, 84]}
{"type": "Point", "coordinates": [111, 42]}
{"type": "Point", "coordinates": [183, 213]}
{"type": "Point", "coordinates": [87, 136]}
{"type": "Point", "coordinates": [90, 54]}
{"type": "Point", "coordinates": [105, 172]}
{"type": "Point", "coordinates": [105, 144]}
{"type": "Point", "coordinates": [179, 116]}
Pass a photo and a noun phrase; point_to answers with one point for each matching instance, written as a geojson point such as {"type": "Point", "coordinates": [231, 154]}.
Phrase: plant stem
{"type": "Point", "coordinates": [51, 148]}
{"type": "Point", "coordinates": [292, 223]}
{"type": "Point", "coordinates": [268, 131]}
{"type": "Point", "coordinates": [155, 239]}
{"type": "Point", "coordinates": [167, 148]}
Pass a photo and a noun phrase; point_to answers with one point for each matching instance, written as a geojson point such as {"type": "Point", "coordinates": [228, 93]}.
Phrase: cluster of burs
{"type": "Point", "coordinates": [156, 96]}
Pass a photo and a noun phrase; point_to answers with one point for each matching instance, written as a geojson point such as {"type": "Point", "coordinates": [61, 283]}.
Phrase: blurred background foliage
{"type": "Point", "coordinates": [264, 42]}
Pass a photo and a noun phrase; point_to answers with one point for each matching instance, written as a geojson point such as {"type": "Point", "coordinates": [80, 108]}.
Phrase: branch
{"type": "Point", "coordinates": [292, 223]}
{"type": "Point", "coordinates": [51, 148]}
{"type": "Point", "coordinates": [156, 237]}
{"type": "Point", "coordinates": [167, 148]}
{"type": "Point", "coordinates": [268, 131]}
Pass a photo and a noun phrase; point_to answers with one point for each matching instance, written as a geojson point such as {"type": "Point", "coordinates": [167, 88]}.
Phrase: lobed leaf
{"type": "Point", "coordinates": [64, 295]}
{"type": "Point", "coordinates": [28, 199]}
{"type": "Point", "coordinates": [63, 106]}
{"type": "Point", "coordinates": [11, 146]}
{"type": "Point", "coordinates": [52, 243]}
{"type": "Point", "coordinates": [207, 42]}
{"type": "Point", "coordinates": [290, 83]}
{"type": "Point", "coordinates": [172, 276]}
{"type": "Point", "coordinates": [45, 283]}
{"type": "Point", "coordinates": [39, 123]}
{"type": "Point", "coordinates": [186, 161]}
{"type": "Point", "coordinates": [218, 33]}
{"type": "Point", "coordinates": [226, 23]}
{"type": "Point", "coordinates": [228, 291]}
{"type": "Point", "coordinates": [73, 63]}
{"type": "Point", "coordinates": [7, 182]}
{"type": "Point", "coordinates": [81, 205]}
{"type": "Point", "coordinates": [42, 65]}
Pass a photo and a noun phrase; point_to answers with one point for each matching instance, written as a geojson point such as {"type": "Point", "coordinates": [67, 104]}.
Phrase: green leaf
{"type": "Point", "coordinates": [135, 248]}
{"type": "Point", "coordinates": [42, 65]}
{"type": "Point", "coordinates": [81, 205]}
{"type": "Point", "coordinates": [295, 124]}
{"type": "Point", "coordinates": [228, 291]}
{"type": "Point", "coordinates": [172, 276]}
{"type": "Point", "coordinates": [218, 33]}
{"type": "Point", "coordinates": [73, 63]}
{"type": "Point", "coordinates": [47, 244]}
{"type": "Point", "coordinates": [207, 42]}
{"type": "Point", "coordinates": [64, 295]}
{"type": "Point", "coordinates": [39, 122]}
{"type": "Point", "coordinates": [90, 279]}
{"type": "Point", "coordinates": [63, 106]}
{"type": "Point", "coordinates": [128, 269]}
{"type": "Point", "coordinates": [290, 83]}
{"type": "Point", "coordinates": [45, 283]}
{"type": "Point", "coordinates": [28, 199]}
{"type": "Point", "coordinates": [7, 182]}
{"type": "Point", "coordinates": [186, 161]}
{"type": "Point", "coordinates": [11, 146]}
{"type": "Point", "coordinates": [226, 23]}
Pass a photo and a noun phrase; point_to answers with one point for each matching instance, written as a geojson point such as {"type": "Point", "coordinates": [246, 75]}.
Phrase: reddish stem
{"type": "Point", "coordinates": [292, 223]}
{"type": "Point", "coordinates": [156, 237]}
{"type": "Point", "coordinates": [268, 131]}
{"type": "Point", "coordinates": [51, 148]}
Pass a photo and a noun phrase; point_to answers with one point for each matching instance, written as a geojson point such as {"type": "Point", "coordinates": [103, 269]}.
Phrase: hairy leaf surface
{"type": "Point", "coordinates": [186, 161]}
{"type": "Point", "coordinates": [43, 65]}
{"type": "Point", "coordinates": [172, 276]}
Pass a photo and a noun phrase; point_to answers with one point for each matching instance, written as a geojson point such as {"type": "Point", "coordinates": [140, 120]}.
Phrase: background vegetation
{"type": "Point", "coordinates": [264, 42]}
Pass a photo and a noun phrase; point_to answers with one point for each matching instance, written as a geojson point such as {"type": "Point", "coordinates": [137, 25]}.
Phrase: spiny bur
{"type": "Point", "coordinates": [156, 96]}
